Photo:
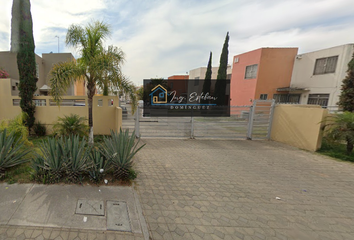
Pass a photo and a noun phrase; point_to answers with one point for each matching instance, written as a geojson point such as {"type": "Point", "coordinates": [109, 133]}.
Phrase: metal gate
{"type": "Point", "coordinates": [251, 122]}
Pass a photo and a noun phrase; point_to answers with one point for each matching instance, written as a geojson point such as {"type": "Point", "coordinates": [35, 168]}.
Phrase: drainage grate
{"type": "Point", "coordinates": [117, 216]}
{"type": "Point", "coordinates": [90, 207]}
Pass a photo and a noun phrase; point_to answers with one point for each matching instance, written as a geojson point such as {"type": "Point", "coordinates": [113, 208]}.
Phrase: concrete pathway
{"type": "Point", "coordinates": [205, 189]}
{"type": "Point", "coordinates": [32, 211]}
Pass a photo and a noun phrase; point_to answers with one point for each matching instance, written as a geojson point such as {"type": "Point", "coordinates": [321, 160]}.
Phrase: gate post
{"type": "Point", "coordinates": [250, 120]}
{"type": "Point", "coordinates": [137, 124]}
{"type": "Point", "coordinates": [272, 107]}
{"type": "Point", "coordinates": [192, 128]}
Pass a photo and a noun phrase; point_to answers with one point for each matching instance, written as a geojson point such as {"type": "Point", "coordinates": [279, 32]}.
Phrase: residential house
{"type": "Point", "coordinates": [180, 87]}
{"type": "Point", "coordinates": [199, 73]}
{"type": "Point", "coordinates": [317, 76]}
{"type": "Point", "coordinates": [178, 77]}
{"type": "Point", "coordinates": [8, 61]}
{"type": "Point", "coordinates": [259, 73]}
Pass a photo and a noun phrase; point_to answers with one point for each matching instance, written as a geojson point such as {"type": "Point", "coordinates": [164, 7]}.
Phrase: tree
{"type": "Point", "coordinates": [23, 44]}
{"type": "Point", "coordinates": [220, 85]}
{"type": "Point", "coordinates": [346, 98]}
{"type": "Point", "coordinates": [140, 93]}
{"type": "Point", "coordinates": [340, 127]}
{"type": "Point", "coordinates": [98, 66]}
{"type": "Point", "coordinates": [207, 79]}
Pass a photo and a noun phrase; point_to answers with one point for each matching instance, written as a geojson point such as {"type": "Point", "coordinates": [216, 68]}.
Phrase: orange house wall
{"type": "Point", "coordinates": [80, 88]}
{"type": "Point", "coordinates": [180, 86]}
{"type": "Point", "coordinates": [241, 89]}
{"type": "Point", "coordinates": [274, 70]}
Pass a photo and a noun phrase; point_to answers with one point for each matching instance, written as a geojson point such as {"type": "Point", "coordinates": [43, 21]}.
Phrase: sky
{"type": "Point", "coordinates": [161, 38]}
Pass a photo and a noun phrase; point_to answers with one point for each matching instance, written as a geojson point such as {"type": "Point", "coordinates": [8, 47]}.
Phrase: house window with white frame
{"type": "Point", "coordinates": [325, 65]}
{"type": "Point", "coordinates": [318, 99]}
{"type": "Point", "coordinates": [251, 71]}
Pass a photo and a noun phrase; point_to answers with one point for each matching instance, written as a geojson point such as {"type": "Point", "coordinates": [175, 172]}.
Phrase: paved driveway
{"type": "Point", "coordinates": [205, 189]}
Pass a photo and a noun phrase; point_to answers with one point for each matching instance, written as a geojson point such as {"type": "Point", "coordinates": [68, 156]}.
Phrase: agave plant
{"type": "Point", "coordinates": [39, 172]}
{"type": "Point", "coordinates": [51, 159]}
{"type": "Point", "coordinates": [120, 149]}
{"type": "Point", "coordinates": [12, 152]}
{"type": "Point", "coordinates": [99, 165]}
{"type": "Point", "coordinates": [71, 125]}
{"type": "Point", "coordinates": [77, 157]}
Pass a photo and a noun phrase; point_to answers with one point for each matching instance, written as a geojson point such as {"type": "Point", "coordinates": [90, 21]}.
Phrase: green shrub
{"type": "Point", "coordinates": [12, 151]}
{"type": "Point", "coordinates": [334, 149]}
{"type": "Point", "coordinates": [340, 128]}
{"type": "Point", "coordinates": [71, 125]}
{"type": "Point", "coordinates": [17, 127]}
{"type": "Point", "coordinates": [39, 129]}
{"type": "Point", "coordinates": [120, 149]}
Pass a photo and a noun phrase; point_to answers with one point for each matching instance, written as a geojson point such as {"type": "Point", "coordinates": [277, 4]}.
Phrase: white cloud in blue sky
{"type": "Point", "coordinates": [163, 38]}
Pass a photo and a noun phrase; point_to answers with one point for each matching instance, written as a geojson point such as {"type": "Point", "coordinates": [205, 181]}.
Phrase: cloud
{"type": "Point", "coordinates": [163, 38]}
{"type": "Point", "coordinates": [49, 17]}
{"type": "Point", "coordinates": [174, 38]}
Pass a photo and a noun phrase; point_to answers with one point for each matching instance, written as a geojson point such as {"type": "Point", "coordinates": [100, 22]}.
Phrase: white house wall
{"type": "Point", "coordinates": [329, 83]}
{"type": "Point", "coordinates": [199, 73]}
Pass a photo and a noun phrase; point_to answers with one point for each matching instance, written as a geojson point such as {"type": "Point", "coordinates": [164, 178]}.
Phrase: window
{"type": "Point", "coordinates": [287, 98]}
{"type": "Point", "coordinates": [264, 97]}
{"type": "Point", "coordinates": [325, 65]}
{"type": "Point", "coordinates": [13, 88]}
{"type": "Point", "coordinates": [251, 71]}
{"type": "Point", "coordinates": [318, 99]}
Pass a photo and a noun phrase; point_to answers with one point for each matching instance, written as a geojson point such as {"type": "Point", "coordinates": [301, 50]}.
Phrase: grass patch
{"type": "Point", "coordinates": [19, 174]}
{"type": "Point", "coordinates": [335, 150]}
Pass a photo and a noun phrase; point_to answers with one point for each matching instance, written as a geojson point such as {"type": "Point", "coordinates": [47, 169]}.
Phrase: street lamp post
{"type": "Point", "coordinates": [58, 42]}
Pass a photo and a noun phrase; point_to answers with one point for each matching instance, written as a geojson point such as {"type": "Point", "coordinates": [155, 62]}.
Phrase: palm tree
{"type": "Point", "coordinates": [97, 65]}
{"type": "Point", "coordinates": [341, 128]}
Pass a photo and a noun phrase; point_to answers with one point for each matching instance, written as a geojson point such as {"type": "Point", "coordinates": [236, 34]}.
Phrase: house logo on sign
{"type": "Point", "coordinates": [158, 95]}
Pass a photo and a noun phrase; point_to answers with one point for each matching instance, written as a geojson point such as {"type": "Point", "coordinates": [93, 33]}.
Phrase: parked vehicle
{"type": "Point", "coordinates": [124, 110]}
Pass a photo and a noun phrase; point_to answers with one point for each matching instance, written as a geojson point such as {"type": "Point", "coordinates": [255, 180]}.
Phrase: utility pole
{"type": "Point", "coordinates": [58, 42]}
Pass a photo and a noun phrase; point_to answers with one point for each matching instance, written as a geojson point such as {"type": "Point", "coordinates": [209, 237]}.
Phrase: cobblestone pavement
{"type": "Point", "coordinates": [40, 233]}
{"type": "Point", "coordinates": [205, 189]}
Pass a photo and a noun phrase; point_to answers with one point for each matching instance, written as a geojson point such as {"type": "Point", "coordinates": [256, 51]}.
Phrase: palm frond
{"type": "Point", "coordinates": [75, 36]}
{"type": "Point", "coordinates": [72, 124]}
{"type": "Point", "coordinates": [62, 76]}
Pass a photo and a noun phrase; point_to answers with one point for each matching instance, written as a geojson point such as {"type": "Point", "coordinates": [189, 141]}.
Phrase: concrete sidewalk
{"type": "Point", "coordinates": [32, 211]}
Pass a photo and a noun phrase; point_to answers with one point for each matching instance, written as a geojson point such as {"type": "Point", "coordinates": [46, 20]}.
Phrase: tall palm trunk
{"type": "Point", "coordinates": [90, 93]}
{"type": "Point", "coordinates": [105, 89]}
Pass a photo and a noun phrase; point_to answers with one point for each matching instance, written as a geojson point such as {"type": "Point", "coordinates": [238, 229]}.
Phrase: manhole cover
{"type": "Point", "coordinates": [90, 207]}
{"type": "Point", "coordinates": [117, 216]}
